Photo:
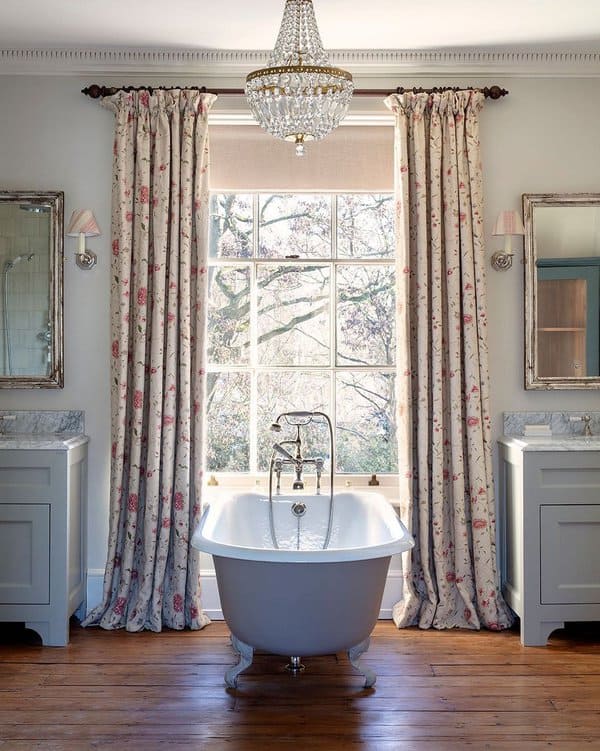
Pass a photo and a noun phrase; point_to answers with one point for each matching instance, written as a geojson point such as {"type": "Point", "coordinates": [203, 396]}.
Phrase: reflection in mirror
{"type": "Point", "coordinates": [562, 290]}
{"type": "Point", "coordinates": [31, 246]}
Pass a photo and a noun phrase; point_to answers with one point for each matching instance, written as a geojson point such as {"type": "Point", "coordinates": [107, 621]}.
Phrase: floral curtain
{"type": "Point", "coordinates": [158, 308]}
{"type": "Point", "coordinates": [451, 576]}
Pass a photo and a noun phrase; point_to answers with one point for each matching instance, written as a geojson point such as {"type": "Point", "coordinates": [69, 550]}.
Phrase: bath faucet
{"type": "Point", "coordinates": [277, 463]}
{"type": "Point", "coordinates": [297, 461]}
{"type": "Point", "coordinates": [281, 456]}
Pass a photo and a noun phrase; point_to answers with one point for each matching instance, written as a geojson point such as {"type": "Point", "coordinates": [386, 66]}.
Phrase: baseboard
{"type": "Point", "coordinates": [95, 587]}
{"type": "Point", "coordinates": [211, 603]}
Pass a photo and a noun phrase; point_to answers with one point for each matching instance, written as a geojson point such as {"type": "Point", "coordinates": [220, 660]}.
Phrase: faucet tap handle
{"type": "Point", "coordinates": [278, 448]}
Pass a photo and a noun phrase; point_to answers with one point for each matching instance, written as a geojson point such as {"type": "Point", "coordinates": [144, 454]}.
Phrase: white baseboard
{"type": "Point", "coordinates": [210, 593]}
{"type": "Point", "coordinates": [391, 594]}
{"type": "Point", "coordinates": [95, 586]}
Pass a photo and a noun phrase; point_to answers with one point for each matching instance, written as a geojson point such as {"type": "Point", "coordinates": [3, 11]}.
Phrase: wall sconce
{"type": "Point", "coordinates": [507, 224]}
{"type": "Point", "coordinates": [83, 224]}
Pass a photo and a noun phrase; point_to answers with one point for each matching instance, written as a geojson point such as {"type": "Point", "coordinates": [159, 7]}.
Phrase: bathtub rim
{"type": "Point", "coordinates": [400, 544]}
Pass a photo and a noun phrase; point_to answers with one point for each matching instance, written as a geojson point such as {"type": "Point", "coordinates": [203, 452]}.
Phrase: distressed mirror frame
{"type": "Point", "coordinates": [530, 202]}
{"type": "Point", "coordinates": [54, 379]}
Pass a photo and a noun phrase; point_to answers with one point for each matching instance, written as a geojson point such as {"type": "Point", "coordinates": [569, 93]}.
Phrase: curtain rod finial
{"type": "Point", "coordinates": [94, 91]}
{"type": "Point", "coordinates": [495, 92]}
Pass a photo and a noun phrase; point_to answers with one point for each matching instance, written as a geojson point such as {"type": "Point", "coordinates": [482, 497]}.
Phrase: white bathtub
{"type": "Point", "coordinates": [298, 599]}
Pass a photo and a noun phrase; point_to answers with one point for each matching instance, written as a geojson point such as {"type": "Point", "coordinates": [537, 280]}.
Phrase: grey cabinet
{"type": "Point", "coordinates": [42, 535]}
{"type": "Point", "coordinates": [550, 532]}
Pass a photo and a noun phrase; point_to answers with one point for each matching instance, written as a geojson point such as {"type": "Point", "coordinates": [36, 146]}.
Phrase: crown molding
{"type": "Point", "coordinates": [235, 64]}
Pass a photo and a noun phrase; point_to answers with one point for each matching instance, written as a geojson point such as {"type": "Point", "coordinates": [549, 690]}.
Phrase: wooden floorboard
{"type": "Point", "coordinates": [442, 691]}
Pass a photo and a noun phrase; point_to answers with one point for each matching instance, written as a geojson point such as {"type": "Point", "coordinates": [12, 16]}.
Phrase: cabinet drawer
{"type": "Point", "coordinates": [24, 553]}
{"type": "Point", "coordinates": [570, 554]}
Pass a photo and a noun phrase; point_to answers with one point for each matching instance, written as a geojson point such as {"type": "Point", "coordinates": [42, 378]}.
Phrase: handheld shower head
{"type": "Point", "coordinates": [10, 264]}
{"type": "Point", "coordinates": [298, 417]}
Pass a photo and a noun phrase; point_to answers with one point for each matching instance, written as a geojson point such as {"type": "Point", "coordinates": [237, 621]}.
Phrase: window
{"type": "Point", "coordinates": [301, 316]}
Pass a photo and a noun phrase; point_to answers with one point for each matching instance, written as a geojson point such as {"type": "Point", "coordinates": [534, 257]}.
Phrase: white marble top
{"type": "Point", "coordinates": [48, 441]}
{"type": "Point", "coordinates": [553, 443]}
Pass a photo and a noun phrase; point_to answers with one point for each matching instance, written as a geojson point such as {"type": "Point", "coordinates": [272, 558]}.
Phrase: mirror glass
{"type": "Point", "coordinates": [562, 290]}
{"type": "Point", "coordinates": [31, 252]}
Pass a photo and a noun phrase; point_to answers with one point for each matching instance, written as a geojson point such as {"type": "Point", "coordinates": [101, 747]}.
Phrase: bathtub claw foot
{"type": "Point", "coordinates": [353, 654]}
{"type": "Point", "coordinates": [245, 652]}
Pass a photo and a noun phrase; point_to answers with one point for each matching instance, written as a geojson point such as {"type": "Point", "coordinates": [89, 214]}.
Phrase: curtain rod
{"type": "Point", "coordinates": [96, 91]}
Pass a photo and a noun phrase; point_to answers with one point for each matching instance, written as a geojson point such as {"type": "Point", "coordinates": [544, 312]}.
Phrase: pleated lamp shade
{"type": "Point", "coordinates": [508, 223]}
{"type": "Point", "coordinates": [83, 222]}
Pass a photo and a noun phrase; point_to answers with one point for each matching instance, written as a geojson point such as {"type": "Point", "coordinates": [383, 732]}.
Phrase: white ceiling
{"type": "Point", "coordinates": [344, 24]}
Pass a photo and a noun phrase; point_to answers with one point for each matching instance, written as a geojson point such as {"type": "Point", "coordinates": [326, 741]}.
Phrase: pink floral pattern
{"type": "Point", "coordinates": [158, 308]}
{"type": "Point", "coordinates": [451, 575]}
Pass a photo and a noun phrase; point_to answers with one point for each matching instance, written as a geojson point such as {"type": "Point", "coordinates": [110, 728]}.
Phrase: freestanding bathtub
{"type": "Point", "coordinates": [293, 597]}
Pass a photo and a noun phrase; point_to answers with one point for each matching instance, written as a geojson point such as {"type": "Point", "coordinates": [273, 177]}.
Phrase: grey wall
{"type": "Point", "coordinates": [543, 137]}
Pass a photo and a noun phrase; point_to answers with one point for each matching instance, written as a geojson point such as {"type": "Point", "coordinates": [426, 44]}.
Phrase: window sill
{"type": "Point", "coordinates": [388, 483]}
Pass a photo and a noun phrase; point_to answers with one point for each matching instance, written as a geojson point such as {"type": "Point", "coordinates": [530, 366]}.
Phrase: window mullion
{"type": "Point", "coordinates": [254, 342]}
{"type": "Point", "coordinates": [333, 324]}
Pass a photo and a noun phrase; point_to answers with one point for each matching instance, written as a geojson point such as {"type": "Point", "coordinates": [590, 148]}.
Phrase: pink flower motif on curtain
{"type": "Point", "coordinates": [451, 576]}
{"type": "Point", "coordinates": [159, 228]}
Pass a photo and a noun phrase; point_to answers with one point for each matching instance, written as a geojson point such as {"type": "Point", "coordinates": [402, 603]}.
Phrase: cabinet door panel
{"type": "Point", "coordinates": [570, 554]}
{"type": "Point", "coordinates": [24, 553]}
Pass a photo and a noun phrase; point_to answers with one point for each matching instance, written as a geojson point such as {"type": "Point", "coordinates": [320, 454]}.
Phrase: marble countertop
{"type": "Point", "coordinates": [47, 441]}
{"type": "Point", "coordinates": [553, 443]}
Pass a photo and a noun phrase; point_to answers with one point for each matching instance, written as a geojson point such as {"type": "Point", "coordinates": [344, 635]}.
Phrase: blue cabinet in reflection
{"type": "Point", "coordinates": [568, 317]}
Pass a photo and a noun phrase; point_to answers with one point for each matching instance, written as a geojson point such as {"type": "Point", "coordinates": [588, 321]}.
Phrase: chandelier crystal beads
{"type": "Point", "coordinates": [299, 96]}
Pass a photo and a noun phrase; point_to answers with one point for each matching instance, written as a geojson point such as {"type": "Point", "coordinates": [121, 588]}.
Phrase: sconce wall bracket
{"type": "Point", "coordinates": [86, 260]}
{"type": "Point", "coordinates": [501, 260]}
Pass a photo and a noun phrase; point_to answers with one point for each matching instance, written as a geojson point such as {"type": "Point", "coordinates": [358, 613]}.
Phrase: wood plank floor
{"type": "Point", "coordinates": [446, 691]}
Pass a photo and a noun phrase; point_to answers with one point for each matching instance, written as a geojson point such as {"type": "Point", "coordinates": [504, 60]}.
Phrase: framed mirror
{"type": "Point", "coordinates": [31, 302]}
{"type": "Point", "coordinates": [562, 290]}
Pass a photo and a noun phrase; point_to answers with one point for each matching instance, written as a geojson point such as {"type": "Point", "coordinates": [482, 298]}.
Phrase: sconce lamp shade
{"type": "Point", "coordinates": [508, 223]}
{"type": "Point", "coordinates": [83, 222]}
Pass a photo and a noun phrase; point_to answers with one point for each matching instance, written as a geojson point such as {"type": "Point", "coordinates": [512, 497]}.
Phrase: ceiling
{"type": "Point", "coordinates": [572, 25]}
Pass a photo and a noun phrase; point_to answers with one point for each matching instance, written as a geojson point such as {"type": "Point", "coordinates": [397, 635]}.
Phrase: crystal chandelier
{"type": "Point", "coordinates": [299, 96]}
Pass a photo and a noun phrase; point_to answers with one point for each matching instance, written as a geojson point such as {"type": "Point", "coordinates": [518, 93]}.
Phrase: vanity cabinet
{"type": "Point", "coordinates": [550, 532]}
{"type": "Point", "coordinates": [42, 533]}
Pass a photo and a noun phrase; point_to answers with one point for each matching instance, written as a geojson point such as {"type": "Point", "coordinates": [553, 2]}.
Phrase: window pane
{"type": "Point", "coordinates": [293, 315]}
{"type": "Point", "coordinates": [366, 423]}
{"type": "Point", "coordinates": [228, 422]}
{"type": "Point", "coordinates": [365, 226]}
{"type": "Point", "coordinates": [229, 315]}
{"type": "Point", "coordinates": [294, 225]}
{"type": "Point", "coordinates": [366, 315]}
{"type": "Point", "coordinates": [230, 234]}
{"type": "Point", "coordinates": [285, 391]}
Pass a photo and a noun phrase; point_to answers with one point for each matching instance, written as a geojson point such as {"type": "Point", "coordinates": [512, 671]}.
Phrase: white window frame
{"type": "Point", "coordinates": [387, 480]}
